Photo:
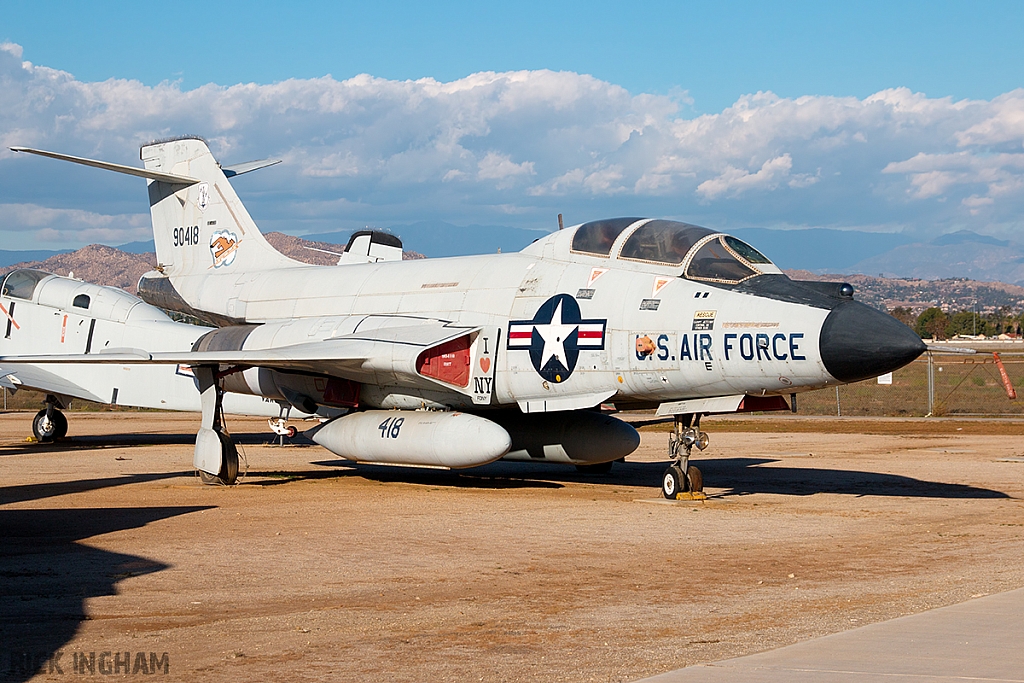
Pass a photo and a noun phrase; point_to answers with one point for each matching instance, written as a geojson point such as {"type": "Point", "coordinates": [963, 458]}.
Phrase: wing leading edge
{"type": "Point", "coordinates": [383, 355]}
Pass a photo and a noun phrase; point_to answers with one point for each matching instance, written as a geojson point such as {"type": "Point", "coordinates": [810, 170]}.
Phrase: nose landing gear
{"type": "Point", "coordinates": [683, 481]}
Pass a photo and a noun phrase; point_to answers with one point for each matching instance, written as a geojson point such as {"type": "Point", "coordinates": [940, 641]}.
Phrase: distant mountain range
{"type": "Point", "coordinates": [961, 254]}
{"type": "Point", "coordinates": [957, 255]}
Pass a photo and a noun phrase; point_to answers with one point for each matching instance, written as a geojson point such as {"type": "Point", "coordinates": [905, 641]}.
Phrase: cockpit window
{"type": "Point", "coordinates": [81, 301]}
{"type": "Point", "coordinates": [21, 284]}
{"type": "Point", "coordinates": [597, 237]}
{"type": "Point", "coordinates": [745, 251]}
{"type": "Point", "coordinates": [718, 261]}
{"type": "Point", "coordinates": [662, 242]}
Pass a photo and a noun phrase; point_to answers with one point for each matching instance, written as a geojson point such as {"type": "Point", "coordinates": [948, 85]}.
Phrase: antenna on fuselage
{"type": "Point", "coordinates": [560, 226]}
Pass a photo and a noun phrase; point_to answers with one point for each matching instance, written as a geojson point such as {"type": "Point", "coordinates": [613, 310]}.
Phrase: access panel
{"type": "Point", "coordinates": [448, 362]}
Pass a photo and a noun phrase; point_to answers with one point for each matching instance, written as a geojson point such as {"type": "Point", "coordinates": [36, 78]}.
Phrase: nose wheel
{"type": "Point", "coordinates": [683, 481]}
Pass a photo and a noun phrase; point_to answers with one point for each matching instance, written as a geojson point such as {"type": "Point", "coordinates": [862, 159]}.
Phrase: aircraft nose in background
{"type": "Point", "coordinates": [857, 342]}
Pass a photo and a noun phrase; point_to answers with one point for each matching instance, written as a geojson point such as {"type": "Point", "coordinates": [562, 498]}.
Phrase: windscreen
{"type": "Point", "coordinates": [21, 284]}
{"type": "Point", "coordinates": [745, 251]}
{"type": "Point", "coordinates": [597, 237]}
{"type": "Point", "coordinates": [716, 262]}
{"type": "Point", "coordinates": [662, 242]}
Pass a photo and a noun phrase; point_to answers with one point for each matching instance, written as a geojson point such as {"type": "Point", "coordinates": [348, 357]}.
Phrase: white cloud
{"type": "Point", "coordinates": [500, 167]}
{"type": "Point", "coordinates": [936, 175]}
{"type": "Point", "coordinates": [373, 151]}
{"type": "Point", "coordinates": [733, 181]}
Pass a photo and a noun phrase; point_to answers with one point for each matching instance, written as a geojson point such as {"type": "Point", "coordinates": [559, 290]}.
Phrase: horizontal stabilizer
{"type": "Point", "coordinates": [119, 168]}
{"type": "Point", "coordinates": [239, 169]}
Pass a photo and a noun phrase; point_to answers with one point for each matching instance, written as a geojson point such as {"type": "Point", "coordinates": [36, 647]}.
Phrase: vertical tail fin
{"type": "Point", "coordinates": [203, 226]}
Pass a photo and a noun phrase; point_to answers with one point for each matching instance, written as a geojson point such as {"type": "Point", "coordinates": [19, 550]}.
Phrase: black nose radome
{"type": "Point", "coordinates": [858, 342]}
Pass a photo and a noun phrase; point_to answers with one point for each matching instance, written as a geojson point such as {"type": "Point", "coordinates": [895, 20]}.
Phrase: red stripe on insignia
{"type": "Point", "coordinates": [520, 335]}
{"type": "Point", "coordinates": [586, 334]}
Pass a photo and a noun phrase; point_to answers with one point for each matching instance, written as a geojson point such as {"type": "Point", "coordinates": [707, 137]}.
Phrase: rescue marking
{"type": "Point", "coordinates": [703, 321]}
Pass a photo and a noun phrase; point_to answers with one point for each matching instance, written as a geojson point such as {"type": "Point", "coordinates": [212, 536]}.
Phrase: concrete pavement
{"type": "Point", "coordinates": [979, 640]}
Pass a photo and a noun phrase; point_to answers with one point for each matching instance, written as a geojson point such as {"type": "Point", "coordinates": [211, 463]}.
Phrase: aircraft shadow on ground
{"type": "Point", "coordinates": [46, 576]}
{"type": "Point", "coordinates": [79, 443]}
{"type": "Point", "coordinates": [20, 493]}
{"type": "Point", "coordinates": [743, 476]}
{"type": "Point", "coordinates": [477, 477]}
{"type": "Point", "coordinates": [738, 476]}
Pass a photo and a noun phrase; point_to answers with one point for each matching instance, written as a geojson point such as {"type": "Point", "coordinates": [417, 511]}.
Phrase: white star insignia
{"type": "Point", "coordinates": [554, 335]}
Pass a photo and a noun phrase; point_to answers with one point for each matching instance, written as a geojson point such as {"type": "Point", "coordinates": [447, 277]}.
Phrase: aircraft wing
{"type": "Point", "coordinates": [386, 354]}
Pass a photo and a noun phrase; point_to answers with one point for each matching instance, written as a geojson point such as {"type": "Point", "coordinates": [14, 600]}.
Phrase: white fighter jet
{"type": "Point", "coordinates": [457, 362]}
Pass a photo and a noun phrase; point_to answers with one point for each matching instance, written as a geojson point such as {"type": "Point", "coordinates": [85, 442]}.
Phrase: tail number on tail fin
{"type": "Point", "coordinates": [188, 236]}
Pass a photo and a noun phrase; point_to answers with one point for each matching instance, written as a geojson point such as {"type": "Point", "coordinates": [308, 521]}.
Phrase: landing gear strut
{"type": "Point", "coordinates": [281, 426]}
{"type": "Point", "coordinates": [215, 455]}
{"type": "Point", "coordinates": [50, 424]}
{"type": "Point", "coordinates": [682, 480]}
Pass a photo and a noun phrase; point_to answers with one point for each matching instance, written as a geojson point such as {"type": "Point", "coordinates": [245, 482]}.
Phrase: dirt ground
{"type": "Point", "coordinates": [312, 569]}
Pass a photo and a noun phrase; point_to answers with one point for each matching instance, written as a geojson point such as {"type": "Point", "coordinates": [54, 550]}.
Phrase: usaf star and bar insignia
{"type": "Point", "coordinates": [555, 337]}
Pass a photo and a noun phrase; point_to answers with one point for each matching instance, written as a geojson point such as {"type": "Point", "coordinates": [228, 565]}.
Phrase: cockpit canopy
{"type": "Point", "coordinates": [74, 296]}
{"type": "Point", "coordinates": [21, 284]}
{"type": "Point", "coordinates": [703, 254]}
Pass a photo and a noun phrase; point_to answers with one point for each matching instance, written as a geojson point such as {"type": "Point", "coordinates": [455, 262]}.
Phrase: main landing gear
{"type": "Point", "coordinates": [683, 481]}
{"type": "Point", "coordinates": [215, 455]}
{"type": "Point", "coordinates": [50, 423]}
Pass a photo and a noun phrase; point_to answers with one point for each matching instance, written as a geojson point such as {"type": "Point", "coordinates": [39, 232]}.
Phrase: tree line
{"type": "Point", "coordinates": [934, 323]}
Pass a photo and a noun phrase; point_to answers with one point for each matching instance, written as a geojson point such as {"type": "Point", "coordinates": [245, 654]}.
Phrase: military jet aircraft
{"type": "Point", "coordinates": [457, 362]}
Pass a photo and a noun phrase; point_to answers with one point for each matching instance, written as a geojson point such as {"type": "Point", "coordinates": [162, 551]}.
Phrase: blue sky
{"type": "Point", "coordinates": [873, 116]}
{"type": "Point", "coordinates": [715, 51]}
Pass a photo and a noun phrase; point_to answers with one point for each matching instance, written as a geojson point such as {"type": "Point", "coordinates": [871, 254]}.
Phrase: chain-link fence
{"type": "Point", "coordinates": [937, 383]}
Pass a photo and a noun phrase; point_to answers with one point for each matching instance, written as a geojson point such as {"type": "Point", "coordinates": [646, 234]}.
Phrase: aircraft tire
{"type": "Point", "coordinates": [597, 468]}
{"type": "Point", "coordinates": [228, 464]}
{"type": "Point", "coordinates": [44, 429]}
{"type": "Point", "coordinates": [61, 422]}
{"type": "Point", "coordinates": [292, 431]}
{"type": "Point", "coordinates": [694, 479]}
{"type": "Point", "coordinates": [672, 482]}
